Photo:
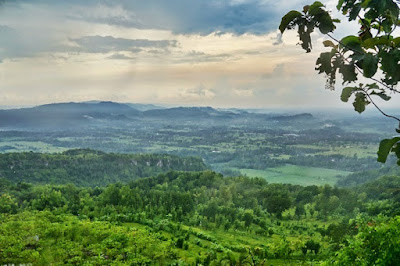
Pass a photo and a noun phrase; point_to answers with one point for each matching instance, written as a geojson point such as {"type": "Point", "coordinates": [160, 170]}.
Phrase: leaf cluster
{"type": "Point", "coordinates": [373, 53]}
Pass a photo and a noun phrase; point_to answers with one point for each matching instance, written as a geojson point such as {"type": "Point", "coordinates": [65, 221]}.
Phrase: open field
{"type": "Point", "coordinates": [35, 146]}
{"type": "Point", "coordinates": [299, 175]}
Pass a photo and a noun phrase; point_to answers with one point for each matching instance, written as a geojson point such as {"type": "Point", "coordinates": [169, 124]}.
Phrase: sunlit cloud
{"type": "Point", "coordinates": [220, 53]}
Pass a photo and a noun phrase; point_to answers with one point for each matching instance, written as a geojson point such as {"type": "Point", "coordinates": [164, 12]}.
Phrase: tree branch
{"type": "Point", "coordinates": [391, 88]}
{"type": "Point", "coordinates": [379, 109]}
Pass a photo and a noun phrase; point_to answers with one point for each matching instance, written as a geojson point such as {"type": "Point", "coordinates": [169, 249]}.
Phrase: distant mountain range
{"type": "Point", "coordinates": [95, 113]}
{"type": "Point", "coordinates": [138, 106]}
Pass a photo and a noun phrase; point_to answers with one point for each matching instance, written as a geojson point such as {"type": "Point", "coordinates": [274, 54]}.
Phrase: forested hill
{"type": "Point", "coordinates": [200, 218]}
{"type": "Point", "coordinates": [85, 167]}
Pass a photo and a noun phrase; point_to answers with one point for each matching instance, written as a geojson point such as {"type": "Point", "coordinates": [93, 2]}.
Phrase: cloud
{"type": "Point", "coordinates": [106, 14]}
{"type": "Point", "coordinates": [181, 16]}
{"type": "Point", "coordinates": [13, 44]}
{"type": "Point", "coordinates": [277, 72]}
{"type": "Point", "coordinates": [243, 92]}
{"type": "Point", "coordinates": [106, 44]}
{"type": "Point", "coordinates": [118, 56]}
{"type": "Point", "coordinates": [205, 17]}
{"type": "Point", "coordinates": [278, 39]}
{"type": "Point", "coordinates": [89, 26]}
{"type": "Point", "coordinates": [199, 92]}
{"type": "Point", "coordinates": [201, 57]}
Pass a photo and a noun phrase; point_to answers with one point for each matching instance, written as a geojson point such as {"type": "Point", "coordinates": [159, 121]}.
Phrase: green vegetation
{"type": "Point", "coordinates": [88, 167]}
{"type": "Point", "coordinates": [188, 218]}
{"type": "Point", "coordinates": [372, 52]}
{"type": "Point", "coordinates": [297, 175]}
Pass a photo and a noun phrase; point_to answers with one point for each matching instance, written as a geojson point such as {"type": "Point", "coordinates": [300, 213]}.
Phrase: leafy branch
{"type": "Point", "coordinates": [373, 52]}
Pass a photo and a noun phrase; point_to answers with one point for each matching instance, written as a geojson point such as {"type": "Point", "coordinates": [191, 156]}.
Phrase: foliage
{"type": "Point", "coordinates": [182, 218]}
{"type": "Point", "coordinates": [373, 53]}
{"type": "Point", "coordinates": [377, 243]}
{"type": "Point", "coordinates": [85, 167]}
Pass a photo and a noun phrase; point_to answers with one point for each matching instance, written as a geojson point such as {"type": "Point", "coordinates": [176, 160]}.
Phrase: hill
{"type": "Point", "coordinates": [84, 167]}
{"type": "Point", "coordinates": [63, 115]}
{"type": "Point", "coordinates": [188, 113]}
{"type": "Point", "coordinates": [303, 116]}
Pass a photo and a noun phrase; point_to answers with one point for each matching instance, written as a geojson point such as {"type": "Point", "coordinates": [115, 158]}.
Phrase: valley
{"type": "Point", "coordinates": [107, 184]}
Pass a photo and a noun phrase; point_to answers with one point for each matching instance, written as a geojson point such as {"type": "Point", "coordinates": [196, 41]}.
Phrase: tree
{"type": "Point", "coordinates": [377, 243]}
{"type": "Point", "coordinates": [248, 218]}
{"type": "Point", "coordinates": [374, 53]}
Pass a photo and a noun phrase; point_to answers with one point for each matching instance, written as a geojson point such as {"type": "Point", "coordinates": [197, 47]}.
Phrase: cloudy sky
{"type": "Point", "coordinates": [222, 53]}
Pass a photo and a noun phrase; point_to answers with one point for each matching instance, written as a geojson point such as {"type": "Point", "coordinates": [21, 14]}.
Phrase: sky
{"type": "Point", "coordinates": [221, 53]}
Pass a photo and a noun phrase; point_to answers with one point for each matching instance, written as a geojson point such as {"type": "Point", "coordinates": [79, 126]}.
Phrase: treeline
{"type": "Point", "coordinates": [362, 177]}
{"type": "Point", "coordinates": [334, 161]}
{"type": "Point", "coordinates": [187, 218]}
{"type": "Point", "coordinates": [84, 167]}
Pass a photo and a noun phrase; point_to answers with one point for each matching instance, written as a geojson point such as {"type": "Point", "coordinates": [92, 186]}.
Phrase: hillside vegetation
{"type": "Point", "coordinates": [84, 167]}
{"type": "Point", "coordinates": [184, 218]}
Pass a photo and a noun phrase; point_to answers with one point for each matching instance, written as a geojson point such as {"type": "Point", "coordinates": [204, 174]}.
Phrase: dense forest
{"type": "Point", "coordinates": [84, 167]}
{"type": "Point", "coordinates": [189, 218]}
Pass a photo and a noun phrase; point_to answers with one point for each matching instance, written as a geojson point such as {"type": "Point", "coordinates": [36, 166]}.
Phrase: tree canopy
{"type": "Point", "coordinates": [372, 53]}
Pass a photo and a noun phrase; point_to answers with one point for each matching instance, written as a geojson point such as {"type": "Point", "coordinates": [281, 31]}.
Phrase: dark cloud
{"type": "Point", "coordinates": [106, 44]}
{"type": "Point", "coordinates": [16, 45]}
{"type": "Point", "coordinates": [180, 16]}
{"type": "Point", "coordinates": [204, 17]}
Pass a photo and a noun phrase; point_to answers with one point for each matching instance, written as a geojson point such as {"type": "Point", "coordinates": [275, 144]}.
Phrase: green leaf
{"type": "Point", "coordinates": [385, 147]}
{"type": "Point", "coordinates": [360, 102]}
{"type": "Point", "coordinates": [288, 18]}
{"type": "Point", "coordinates": [305, 35]}
{"type": "Point", "coordinates": [365, 3]}
{"type": "Point", "coordinates": [324, 64]}
{"type": "Point", "coordinates": [396, 41]}
{"type": "Point", "coordinates": [382, 95]}
{"type": "Point", "coordinates": [348, 72]}
{"type": "Point", "coordinates": [347, 92]}
{"type": "Point", "coordinates": [325, 22]}
{"type": "Point", "coordinates": [390, 65]}
{"type": "Point", "coordinates": [369, 65]}
{"type": "Point", "coordinates": [315, 6]}
{"type": "Point", "coordinates": [351, 43]}
{"type": "Point", "coordinates": [355, 11]}
{"type": "Point", "coordinates": [372, 86]}
{"type": "Point", "coordinates": [372, 42]}
{"type": "Point", "coordinates": [396, 151]}
{"type": "Point", "coordinates": [340, 4]}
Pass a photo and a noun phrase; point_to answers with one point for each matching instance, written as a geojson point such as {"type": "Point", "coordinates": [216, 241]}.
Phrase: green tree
{"type": "Point", "coordinates": [8, 204]}
{"type": "Point", "coordinates": [377, 243]}
{"type": "Point", "coordinates": [373, 53]}
{"type": "Point", "coordinates": [248, 218]}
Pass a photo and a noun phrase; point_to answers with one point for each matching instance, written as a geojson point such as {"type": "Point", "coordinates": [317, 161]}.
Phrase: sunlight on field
{"type": "Point", "coordinates": [299, 175]}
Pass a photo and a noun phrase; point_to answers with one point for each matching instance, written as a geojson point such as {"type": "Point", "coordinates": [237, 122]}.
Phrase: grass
{"type": "Point", "coordinates": [23, 146]}
{"type": "Point", "coordinates": [361, 151]}
{"type": "Point", "coordinates": [297, 175]}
